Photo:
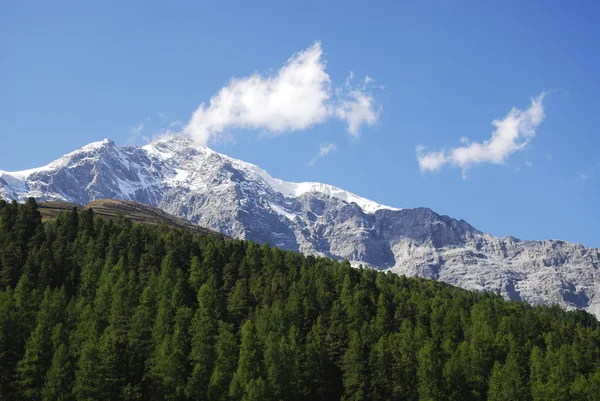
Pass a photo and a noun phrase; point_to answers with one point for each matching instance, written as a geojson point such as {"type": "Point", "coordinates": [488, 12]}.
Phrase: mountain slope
{"type": "Point", "coordinates": [104, 312]}
{"type": "Point", "coordinates": [134, 211]}
{"type": "Point", "coordinates": [240, 200]}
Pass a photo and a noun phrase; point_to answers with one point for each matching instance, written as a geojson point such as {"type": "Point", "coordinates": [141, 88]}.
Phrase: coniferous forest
{"type": "Point", "coordinates": [94, 309]}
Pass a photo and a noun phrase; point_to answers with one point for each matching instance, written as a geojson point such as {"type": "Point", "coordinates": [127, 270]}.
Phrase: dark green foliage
{"type": "Point", "coordinates": [97, 310]}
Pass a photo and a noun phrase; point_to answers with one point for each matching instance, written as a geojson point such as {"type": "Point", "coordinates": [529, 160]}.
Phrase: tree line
{"type": "Point", "coordinates": [94, 309]}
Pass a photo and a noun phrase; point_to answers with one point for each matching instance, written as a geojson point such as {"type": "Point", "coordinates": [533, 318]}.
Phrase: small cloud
{"type": "Point", "coordinates": [136, 134]}
{"type": "Point", "coordinates": [356, 107]}
{"type": "Point", "coordinates": [324, 150]}
{"type": "Point", "coordinates": [528, 164]}
{"type": "Point", "coordinates": [431, 161]}
{"type": "Point", "coordinates": [138, 130]}
{"type": "Point", "coordinates": [583, 177]}
{"type": "Point", "coordinates": [548, 156]}
{"type": "Point", "coordinates": [162, 116]}
{"type": "Point", "coordinates": [512, 133]}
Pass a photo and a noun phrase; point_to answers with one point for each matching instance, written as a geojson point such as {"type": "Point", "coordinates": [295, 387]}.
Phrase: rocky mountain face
{"type": "Point", "coordinates": [241, 200]}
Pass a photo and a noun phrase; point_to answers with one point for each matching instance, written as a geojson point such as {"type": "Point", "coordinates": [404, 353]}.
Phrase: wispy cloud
{"type": "Point", "coordinates": [296, 97]}
{"type": "Point", "coordinates": [136, 133]}
{"type": "Point", "coordinates": [324, 150]}
{"type": "Point", "coordinates": [161, 116]}
{"type": "Point", "coordinates": [356, 106]}
{"type": "Point", "coordinates": [583, 177]}
{"type": "Point", "coordinates": [512, 133]}
{"type": "Point", "coordinates": [138, 130]}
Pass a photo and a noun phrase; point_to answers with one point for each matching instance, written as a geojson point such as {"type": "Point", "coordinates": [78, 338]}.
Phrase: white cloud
{"type": "Point", "coordinates": [431, 161]}
{"type": "Point", "coordinates": [297, 97]}
{"type": "Point", "coordinates": [324, 150]}
{"type": "Point", "coordinates": [528, 163]}
{"type": "Point", "coordinates": [136, 133]}
{"type": "Point", "coordinates": [357, 108]}
{"type": "Point", "coordinates": [511, 134]}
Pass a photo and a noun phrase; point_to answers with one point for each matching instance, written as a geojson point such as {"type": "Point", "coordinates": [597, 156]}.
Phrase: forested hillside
{"type": "Point", "coordinates": [94, 309]}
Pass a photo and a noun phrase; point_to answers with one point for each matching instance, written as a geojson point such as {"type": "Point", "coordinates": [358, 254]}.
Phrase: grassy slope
{"type": "Point", "coordinates": [109, 208]}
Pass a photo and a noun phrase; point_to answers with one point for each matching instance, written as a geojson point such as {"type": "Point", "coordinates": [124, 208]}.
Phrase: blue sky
{"type": "Point", "coordinates": [77, 72]}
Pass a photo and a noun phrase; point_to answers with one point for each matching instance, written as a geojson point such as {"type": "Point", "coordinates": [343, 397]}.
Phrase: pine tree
{"type": "Point", "coordinates": [59, 378]}
{"type": "Point", "coordinates": [249, 365]}
{"type": "Point", "coordinates": [9, 345]}
{"type": "Point", "coordinates": [583, 389]}
{"type": "Point", "coordinates": [539, 375]}
{"type": "Point", "coordinates": [202, 332]}
{"type": "Point", "coordinates": [383, 319]}
{"type": "Point", "coordinates": [454, 375]}
{"type": "Point", "coordinates": [315, 367]}
{"type": "Point", "coordinates": [355, 369]}
{"type": "Point", "coordinates": [276, 369]}
{"type": "Point", "coordinates": [562, 373]}
{"type": "Point", "coordinates": [381, 365]}
{"type": "Point", "coordinates": [428, 373]}
{"type": "Point", "coordinates": [506, 381]}
{"type": "Point", "coordinates": [256, 390]}
{"type": "Point", "coordinates": [169, 368]}
{"type": "Point", "coordinates": [226, 356]}
{"type": "Point", "coordinates": [238, 302]}
{"type": "Point", "coordinates": [404, 346]}
{"type": "Point", "coordinates": [198, 273]}
{"type": "Point", "coordinates": [90, 382]}
{"type": "Point", "coordinates": [38, 351]}
{"type": "Point", "coordinates": [139, 337]}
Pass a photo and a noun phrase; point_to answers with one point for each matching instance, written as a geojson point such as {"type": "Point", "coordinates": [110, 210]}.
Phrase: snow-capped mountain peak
{"type": "Point", "coordinates": [170, 147]}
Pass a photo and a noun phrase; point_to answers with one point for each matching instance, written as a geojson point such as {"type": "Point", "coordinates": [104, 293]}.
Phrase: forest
{"type": "Point", "coordinates": [98, 309]}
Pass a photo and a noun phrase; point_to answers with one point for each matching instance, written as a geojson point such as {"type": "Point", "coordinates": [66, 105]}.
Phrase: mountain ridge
{"type": "Point", "coordinates": [241, 200]}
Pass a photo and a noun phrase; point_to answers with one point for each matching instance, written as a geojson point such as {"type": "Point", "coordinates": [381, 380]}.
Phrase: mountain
{"type": "Point", "coordinates": [241, 200]}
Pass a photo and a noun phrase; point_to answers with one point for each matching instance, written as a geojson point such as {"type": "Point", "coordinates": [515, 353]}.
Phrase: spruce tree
{"type": "Point", "coordinates": [59, 378]}
{"type": "Point", "coordinates": [507, 382]}
{"type": "Point", "coordinates": [202, 332]}
{"type": "Point", "coordinates": [90, 382]}
{"type": "Point", "coordinates": [249, 366]}
{"type": "Point", "coordinates": [226, 355]}
{"type": "Point", "coordinates": [355, 369]}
